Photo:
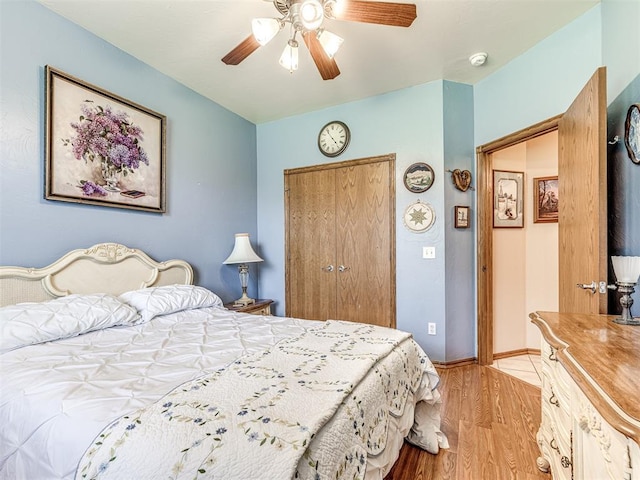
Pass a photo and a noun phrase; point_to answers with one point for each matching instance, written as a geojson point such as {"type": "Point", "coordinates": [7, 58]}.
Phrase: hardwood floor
{"type": "Point", "coordinates": [490, 419]}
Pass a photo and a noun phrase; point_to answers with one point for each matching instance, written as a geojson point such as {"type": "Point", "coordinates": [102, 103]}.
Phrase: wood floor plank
{"type": "Point", "coordinates": [490, 420]}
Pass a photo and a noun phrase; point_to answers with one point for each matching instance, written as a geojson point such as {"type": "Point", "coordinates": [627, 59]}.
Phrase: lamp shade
{"type": "Point", "coordinates": [289, 57]}
{"type": "Point", "coordinates": [242, 251]}
{"type": "Point", "coordinates": [264, 29]}
{"type": "Point", "coordinates": [330, 42]}
{"type": "Point", "coordinates": [627, 269]}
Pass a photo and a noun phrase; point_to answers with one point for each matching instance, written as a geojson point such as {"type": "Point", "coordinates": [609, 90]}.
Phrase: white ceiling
{"type": "Point", "coordinates": [185, 39]}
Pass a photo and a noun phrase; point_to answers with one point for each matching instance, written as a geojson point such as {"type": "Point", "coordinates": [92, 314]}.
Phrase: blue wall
{"type": "Point", "coordinates": [624, 191]}
{"type": "Point", "coordinates": [460, 263]}
{"type": "Point", "coordinates": [409, 123]}
{"type": "Point", "coordinates": [211, 157]}
{"type": "Point", "coordinates": [621, 37]}
{"type": "Point", "coordinates": [541, 83]}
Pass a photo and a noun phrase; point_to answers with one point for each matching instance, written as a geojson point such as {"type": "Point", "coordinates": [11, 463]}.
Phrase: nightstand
{"type": "Point", "coordinates": [261, 307]}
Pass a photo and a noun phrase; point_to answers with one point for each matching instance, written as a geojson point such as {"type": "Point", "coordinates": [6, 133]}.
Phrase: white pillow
{"type": "Point", "coordinates": [30, 323]}
{"type": "Point", "coordinates": [154, 301]}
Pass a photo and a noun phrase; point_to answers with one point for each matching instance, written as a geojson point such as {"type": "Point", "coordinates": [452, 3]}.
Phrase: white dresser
{"type": "Point", "coordinates": [590, 397]}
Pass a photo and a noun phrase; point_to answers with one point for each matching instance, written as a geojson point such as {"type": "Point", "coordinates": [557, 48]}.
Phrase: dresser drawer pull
{"type": "Point", "coordinates": [553, 445]}
{"type": "Point", "coordinates": [565, 462]}
{"type": "Point", "coordinates": [552, 355]}
{"type": "Point", "coordinates": [553, 400]}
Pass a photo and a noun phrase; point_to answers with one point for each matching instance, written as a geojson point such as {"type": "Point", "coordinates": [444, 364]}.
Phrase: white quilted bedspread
{"type": "Point", "coordinates": [94, 379]}
{"type": "Point", "coordinates": [257, 417]}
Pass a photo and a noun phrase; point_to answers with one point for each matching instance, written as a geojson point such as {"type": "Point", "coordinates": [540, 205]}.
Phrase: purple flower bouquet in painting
{"type": "Point", "coordinates": [108, 136]}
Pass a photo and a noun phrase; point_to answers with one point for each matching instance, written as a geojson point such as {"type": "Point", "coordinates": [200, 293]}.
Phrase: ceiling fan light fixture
{"type": "Point", "coordinates": [264, 29]}
{"type": "Point", "coordinates": [289, 57]}
{"type": "Point", "coordinates": [330, 42]}
{"type": "Point", "coordinates": [333, 8]}
{"type": "Point", "coordinates": [311, 14]}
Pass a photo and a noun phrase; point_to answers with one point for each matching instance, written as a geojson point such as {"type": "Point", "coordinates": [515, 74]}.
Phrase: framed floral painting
{"type": "Point", "coordinates": [102, 149]}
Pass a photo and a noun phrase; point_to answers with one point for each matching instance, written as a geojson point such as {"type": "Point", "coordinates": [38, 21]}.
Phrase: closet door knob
{"type": "Point", "coordinates": [342, 268]}
{"type": "Point", "coordinates": [328, 268]}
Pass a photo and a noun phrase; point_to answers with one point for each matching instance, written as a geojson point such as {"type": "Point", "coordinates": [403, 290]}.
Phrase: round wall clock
{"type": "Point", "coordinates": [334, 138]}
{"type": "Point", "coordinates": [632, 133]}
{"type": "Point", "coordinates": [419, 217]}
{"type": "Point", "coordinates": [418, 177]}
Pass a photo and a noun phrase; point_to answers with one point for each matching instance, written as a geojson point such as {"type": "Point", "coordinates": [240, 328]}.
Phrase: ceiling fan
{"type": "Point", "coordinates": [306, 18]}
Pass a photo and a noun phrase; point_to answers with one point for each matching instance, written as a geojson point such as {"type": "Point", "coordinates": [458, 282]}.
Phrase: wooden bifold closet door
{"type": "Point", "coordinates": [340, 241]}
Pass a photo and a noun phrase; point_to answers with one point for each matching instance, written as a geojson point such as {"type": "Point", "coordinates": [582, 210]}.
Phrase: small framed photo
{"type": "Point", "coordinates": [461, 217]}
{"type": "Point", "coordinates": [419, 177]}
{"type": "Point", "coordinates": [102, 149]}
{"type": "Point", "coordinates": [508, 200]}
{"type": "Point", "coordinates": [545, 200]}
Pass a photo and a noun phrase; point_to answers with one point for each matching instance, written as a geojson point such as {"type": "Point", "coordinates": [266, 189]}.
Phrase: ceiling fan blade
{"type": "Point", "coordinates": [381, 13]}
{"type": "Point", "coordinates": [327, 67]}
{"type": "Point", "coordinates": [242, 51]}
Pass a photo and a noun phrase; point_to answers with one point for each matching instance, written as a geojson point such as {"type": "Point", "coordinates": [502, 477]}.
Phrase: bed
{"type": "Point", "coordinates": [117, 366]}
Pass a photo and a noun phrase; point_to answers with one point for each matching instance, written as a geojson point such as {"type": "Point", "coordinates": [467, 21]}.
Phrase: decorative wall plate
{"type": "Point", "coordinates": [632, 133]}
{"type": "Point", "coordinates": [419, 177]}
{"type": "Point", "coordinates": [419, 217]}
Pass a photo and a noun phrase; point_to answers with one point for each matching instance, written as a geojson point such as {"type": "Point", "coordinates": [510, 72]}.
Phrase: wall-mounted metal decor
{"type": "Point", "coordinates": [102, 149]}
{"type": "Point", "coordinates": [461, 179]}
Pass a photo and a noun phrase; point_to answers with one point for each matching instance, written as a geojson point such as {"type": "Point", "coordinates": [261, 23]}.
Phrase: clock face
{"type": "Point", "coordinates": [632, 133]}
{"type": "Point", "coordinates": [333, 138]}
{"type": "Point", "coordinates": [419, 217]}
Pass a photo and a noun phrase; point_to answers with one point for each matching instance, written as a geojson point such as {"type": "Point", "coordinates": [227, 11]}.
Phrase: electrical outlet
{"type": "Point", "coordinates": [432, 329]}
{"type": "Point", "coordinates": [428, 252]}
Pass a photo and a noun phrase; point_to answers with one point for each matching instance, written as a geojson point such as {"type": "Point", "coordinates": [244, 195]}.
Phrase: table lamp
{"type": "Point", "coordinates": [243, 254]}
{"type": "Point", "coordinates": [627, 270]}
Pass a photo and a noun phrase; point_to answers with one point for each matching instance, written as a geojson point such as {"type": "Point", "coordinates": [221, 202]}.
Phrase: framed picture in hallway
{"type": "Point", "coordinates": [508, 200]}
{"type": "Point", "coordinates": [545, 200]}
{"type": "Point", "coordinates": [102, 149]}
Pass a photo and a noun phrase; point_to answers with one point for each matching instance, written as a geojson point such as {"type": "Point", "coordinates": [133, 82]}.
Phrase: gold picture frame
{"type": "Point", "coordinates": [545, 199]}
{"type": "Point", "coordinates": [100, 148]}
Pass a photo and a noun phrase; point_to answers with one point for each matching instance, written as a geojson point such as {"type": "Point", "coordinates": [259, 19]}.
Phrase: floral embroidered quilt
{"type": "Point", "coordinates": [262, 417]}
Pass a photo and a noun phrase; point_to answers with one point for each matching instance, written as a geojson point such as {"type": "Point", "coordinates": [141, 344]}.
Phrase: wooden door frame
{"type": "Point", "coordinates": [485, 228]}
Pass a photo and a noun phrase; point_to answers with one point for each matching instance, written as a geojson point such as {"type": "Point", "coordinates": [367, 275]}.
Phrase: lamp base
{"type": "Point", "coordinates": [627, 321]}
{"type": "Point", "coordinates": [626, 318]}
{"type": "Point", "coordinates": [243, 301]}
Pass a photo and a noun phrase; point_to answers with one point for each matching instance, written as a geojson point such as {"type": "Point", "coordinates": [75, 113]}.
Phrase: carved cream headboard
{"type": "Point", "coordinates": [104, 268]}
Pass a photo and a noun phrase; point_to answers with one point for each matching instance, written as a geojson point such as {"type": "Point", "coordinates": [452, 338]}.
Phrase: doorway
{"type": "Point", "coordinates": [582, 216]}
{"type": "Point", "coordinates": [488, 158]}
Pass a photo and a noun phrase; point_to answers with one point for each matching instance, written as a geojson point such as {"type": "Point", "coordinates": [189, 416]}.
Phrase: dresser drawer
{"type": "Point", "coordinates": [600, 451]}
{"type": "Point", "coordinates": [558, 457]}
